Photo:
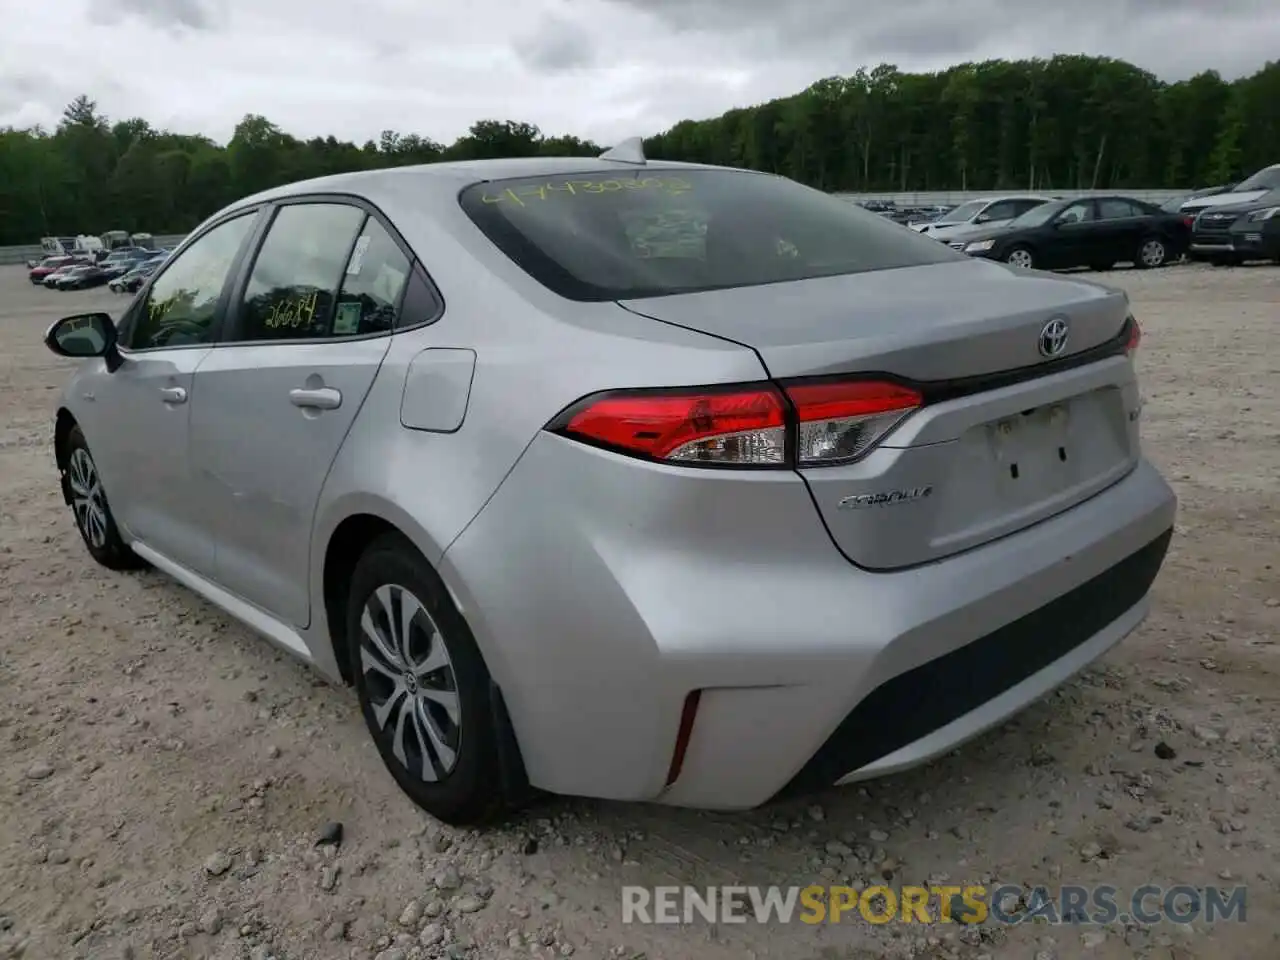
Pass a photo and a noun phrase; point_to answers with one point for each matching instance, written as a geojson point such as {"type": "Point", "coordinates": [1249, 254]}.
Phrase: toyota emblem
{"type": "Point", "coordinates": [1053, 337]}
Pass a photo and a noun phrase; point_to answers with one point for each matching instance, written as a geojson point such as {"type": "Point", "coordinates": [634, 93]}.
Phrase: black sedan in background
{"type": "Point", "coordinates": [1096, 232]}
{"type": "Point", "coordinates": [1229, 235]}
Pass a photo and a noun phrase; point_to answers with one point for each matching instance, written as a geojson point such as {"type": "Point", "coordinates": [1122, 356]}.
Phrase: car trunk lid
{"type": "Point", "coordinates": [1008, 436]}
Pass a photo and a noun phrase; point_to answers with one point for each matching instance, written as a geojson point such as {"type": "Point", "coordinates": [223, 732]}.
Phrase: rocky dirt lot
{"type": "Point", "coordinates": [166, 775]}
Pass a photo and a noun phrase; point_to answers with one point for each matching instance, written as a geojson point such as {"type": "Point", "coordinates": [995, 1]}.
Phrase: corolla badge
{"type": "Point", "coordinates": [884, 499]}
{"type": "Point", "coordinates": [1053, 337]}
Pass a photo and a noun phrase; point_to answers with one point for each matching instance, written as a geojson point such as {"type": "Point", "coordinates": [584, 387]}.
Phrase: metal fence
{"type": "Point", "coordinates": [952, 197]}
{"type": "Point", "coordinates": [11, 255]}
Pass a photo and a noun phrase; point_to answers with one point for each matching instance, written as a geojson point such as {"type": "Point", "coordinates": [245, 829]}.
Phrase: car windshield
{"type": "Point", "coordinates": [657, 232]}
{"type": "Point", "coordinates": [1268, 179]}
{"type": "Point", "coordinates": [1038, 216]}
{"type": "Point", "coordinates": [963, 213]}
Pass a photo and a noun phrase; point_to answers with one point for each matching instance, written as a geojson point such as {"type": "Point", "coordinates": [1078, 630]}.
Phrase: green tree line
{"type": "Point", "coordinates": [1062, 123]}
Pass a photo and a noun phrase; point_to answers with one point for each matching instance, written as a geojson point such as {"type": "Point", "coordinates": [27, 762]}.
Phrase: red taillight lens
{"type": "Point", "coordinates": [1135, 337]}
{"type": "Point", "coordinates": [840, 422]}
{"type": "Point", "coordinates": [739, 427]}
{"type": "Point", "coordinates": [747, 426]}
{"type": "Point", "coordinates": [1189, 221]}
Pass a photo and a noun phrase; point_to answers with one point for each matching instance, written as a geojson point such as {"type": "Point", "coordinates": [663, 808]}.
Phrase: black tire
{"type": "Point", "coordinates": [1023, 254]}
{"type": "Point", "coordinates": [471, 790]}
{"type": "Point", "coordinates": [92, 512]}
{"type": "Point", "coordinates": [1152, 253]}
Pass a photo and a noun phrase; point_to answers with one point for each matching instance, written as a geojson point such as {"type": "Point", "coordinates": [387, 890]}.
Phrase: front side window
{"type": "Point", "coordinates": [1081, 212]}
{"type": "Point", "coordinates": [180, 306]}
{"type": "Point", "coordinates": [655, 232]}
{"type": "Point", "coordinates": [293, 288]}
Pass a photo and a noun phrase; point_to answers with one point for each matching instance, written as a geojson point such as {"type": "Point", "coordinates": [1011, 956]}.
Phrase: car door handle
{"type": "Point", "coordinates": [324, 398]}
{"type": "Point", "coordinates": [173, 395]}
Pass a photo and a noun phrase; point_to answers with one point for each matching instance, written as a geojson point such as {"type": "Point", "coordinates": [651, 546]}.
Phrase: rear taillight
{"type": "Point", "coordinates": [744, 426]}
{"type": "Point", "coordinates": [1189, 221]}
{"type": "Point", "coordinates": [1135, 337]}
{"type": "Point", "coordinates": [840, 422]}
{"type": "Point", "coordinates": [756, 425]}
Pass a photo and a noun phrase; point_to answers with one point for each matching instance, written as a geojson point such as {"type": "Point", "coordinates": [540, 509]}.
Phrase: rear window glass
{"type": "Point", "coordinates": [652, 233]}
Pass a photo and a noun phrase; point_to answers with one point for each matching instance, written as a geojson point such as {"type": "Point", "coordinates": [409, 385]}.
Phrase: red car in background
{"type": "Point", "coordinates": [48, 265]}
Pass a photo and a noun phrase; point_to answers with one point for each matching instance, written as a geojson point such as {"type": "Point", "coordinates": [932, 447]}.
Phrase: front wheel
{"type": "Point", "coordinates": [89, 505]}
{"type": "Point", "coordinates": [424, 689]}
{"type": "Point", "coordinates": [1020, 257]}
{"type": "Point", "coordinates": [1152, 253]}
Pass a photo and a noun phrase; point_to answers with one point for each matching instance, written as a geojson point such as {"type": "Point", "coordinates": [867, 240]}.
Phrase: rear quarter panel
{"type": "Point", "coordinates": [536, 353]}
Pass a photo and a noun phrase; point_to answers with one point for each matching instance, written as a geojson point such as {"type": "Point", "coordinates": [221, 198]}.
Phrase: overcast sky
{"type": "Point", "coordinates": [597, 68]}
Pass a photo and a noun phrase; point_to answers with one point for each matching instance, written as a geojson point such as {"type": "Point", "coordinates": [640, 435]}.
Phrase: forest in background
{"type": "Point", "coordinates": [1070, 122]}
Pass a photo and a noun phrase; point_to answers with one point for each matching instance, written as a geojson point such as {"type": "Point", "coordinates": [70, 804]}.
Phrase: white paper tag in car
{"type": "Point", "coordinates": [357, 257]}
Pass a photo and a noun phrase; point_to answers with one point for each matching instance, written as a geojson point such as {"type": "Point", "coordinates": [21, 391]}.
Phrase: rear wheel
{"type": "Point", "coordinates": [1021, 257]}
{"type": "Point", "coordinates": [424, 689]}
{"type": "Point", "coordinates": [1152, 253]}
{"type": "Point", "coordinates": [89, 505]}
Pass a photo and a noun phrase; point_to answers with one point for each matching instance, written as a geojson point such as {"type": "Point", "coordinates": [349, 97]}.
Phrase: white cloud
{"type": "Point", "coordinates": [597, 68]}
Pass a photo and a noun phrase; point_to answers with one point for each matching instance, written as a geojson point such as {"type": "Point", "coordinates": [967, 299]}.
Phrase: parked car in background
{"type": "Point", "coordinates": [1231, 234]}
{"type": "Point", "coordinates": [51, 279]}
{"type": "Point", "coordinates": [1246, 191]}
{"type": "Point", "coordinates": [511, 455]}
{"type": "Point", "coordinates": [989, 212]}
{"type": "Point", "coordinates": [131, 281]}
{"type": "Point", "coordinates": [80, 277]}
{"type": "Point", "coordinates": [41, 271]}
{"type": "Point", "coordinates": [1095, 232]}
{"type": "Point", "coordinates": [120, 262]}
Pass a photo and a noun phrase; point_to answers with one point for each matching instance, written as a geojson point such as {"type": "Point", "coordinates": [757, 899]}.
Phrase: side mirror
{"type": "Point", "coordinates": [84, 335]}
{"type": "Point", "coordinates": [982, 218]}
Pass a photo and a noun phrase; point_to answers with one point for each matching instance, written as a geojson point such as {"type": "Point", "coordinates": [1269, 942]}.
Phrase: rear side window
{"type": "Point", "coordinates": [1116, 209]}
{"type": "Point", "coordinates": [372, 285]}
{"type": "Point", "coordinates": [652, 233]}
{"type": "Point", "coordinates": [293, 288]}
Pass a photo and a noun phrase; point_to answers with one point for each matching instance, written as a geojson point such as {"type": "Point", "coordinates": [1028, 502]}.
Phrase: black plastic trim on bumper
{"type": "Point", "coordinates": [916, 703]}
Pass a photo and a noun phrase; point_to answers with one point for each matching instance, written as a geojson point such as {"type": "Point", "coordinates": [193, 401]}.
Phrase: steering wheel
{"type": "Point", "coordinates": [167, 332]}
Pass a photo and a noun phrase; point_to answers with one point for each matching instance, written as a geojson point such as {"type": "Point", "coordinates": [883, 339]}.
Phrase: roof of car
{"type": "Point", "coordinates": [452, 176]}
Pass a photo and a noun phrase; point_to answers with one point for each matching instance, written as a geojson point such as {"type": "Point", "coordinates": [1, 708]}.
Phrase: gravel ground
{"type": "Point", "coordinates": [167, 775]}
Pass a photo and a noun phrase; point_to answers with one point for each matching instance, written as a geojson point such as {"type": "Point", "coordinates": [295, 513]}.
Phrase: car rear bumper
{"type": "Point", "coordinates": [599, 614]}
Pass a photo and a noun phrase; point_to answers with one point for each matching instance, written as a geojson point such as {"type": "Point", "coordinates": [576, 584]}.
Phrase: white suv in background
{"type": "Point", "coordinates": [986, 212]}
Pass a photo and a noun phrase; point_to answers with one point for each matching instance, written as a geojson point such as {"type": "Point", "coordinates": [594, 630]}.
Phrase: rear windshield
{"type": "Point", "coordinates": [652, 233]}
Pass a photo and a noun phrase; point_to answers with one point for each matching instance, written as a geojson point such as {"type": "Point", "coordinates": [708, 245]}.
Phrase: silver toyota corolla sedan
{"type": "Point", "coordinates": [627, 479]}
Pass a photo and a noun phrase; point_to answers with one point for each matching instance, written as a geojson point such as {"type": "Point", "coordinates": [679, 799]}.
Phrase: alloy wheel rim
{"type": "Point", "coordinates": [1153, 253]}
{"type": "Point", "coordinates": [411, 683]}
{"type": "Point", "coordinates": [87, 499]}
{"type": "Point", "coordinates": [1020, 258]}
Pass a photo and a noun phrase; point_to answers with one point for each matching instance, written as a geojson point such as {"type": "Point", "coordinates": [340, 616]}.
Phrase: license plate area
{"type": "Point", "coordinates": [1040, 452]}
